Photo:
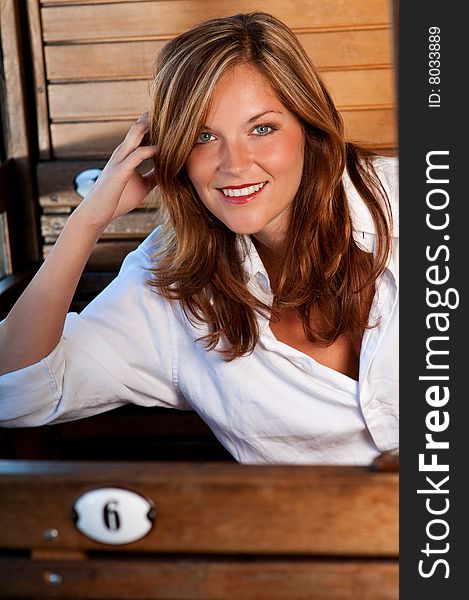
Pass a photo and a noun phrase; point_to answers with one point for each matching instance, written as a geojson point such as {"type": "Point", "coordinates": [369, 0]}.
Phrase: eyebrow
{"type": "Point", "coordinates": [266, 112]}
{"type": "Point", "coordinates": [255, 117]}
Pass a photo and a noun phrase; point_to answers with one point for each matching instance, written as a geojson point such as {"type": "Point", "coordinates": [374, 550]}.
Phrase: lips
{"type": "Point", "coordinates": [240, 194]}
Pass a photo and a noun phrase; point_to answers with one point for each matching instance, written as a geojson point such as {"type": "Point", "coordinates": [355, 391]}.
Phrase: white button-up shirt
{"type": "Point", "coordinates": [277, 405]}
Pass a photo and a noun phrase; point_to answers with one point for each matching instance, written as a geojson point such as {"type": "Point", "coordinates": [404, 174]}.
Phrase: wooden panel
{"type": "Point", "coordinates": [107, 255]}
{"type": "Point", "coordinates": [97, 140]}
{"type": "Point", "coordinates": [134, 60]}
{"type": "Point", "coordinates": [124, 99]}
{"type": "Point", "coordinates": [167, 18]}
{"type": "Point", "coordinates": [136, 224]}
{"type": "Point", "coordinates": [115, 60]}
{"type": "Point", "coordinates": [56, 182]}
{"type": "Point", "coordinates": [100, 100]}
{"type": "Point", "coordinates": [362, 88]}
{"type": "Point", "coordinates": [373, 128]}
{"type": "Point", "coordinates": [16, 125]}
{"type": "Point", "coordinates": [42, 112]}
{"type": "Point", "coordinates": [203, 580]}
{"type": "Point", "coordinates": [339, 50]}
{"type": "Point", "coordinates": [87, 140]}
{"type": "Point", "coordinates": [220, 508]}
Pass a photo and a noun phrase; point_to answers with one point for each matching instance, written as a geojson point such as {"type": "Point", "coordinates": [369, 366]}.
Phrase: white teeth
{"type": "Point", "coordinates": [243, 191]}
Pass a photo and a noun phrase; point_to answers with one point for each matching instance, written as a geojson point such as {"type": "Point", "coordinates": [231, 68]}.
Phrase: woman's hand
{"type": "Point", "coordinates": [120, 187]}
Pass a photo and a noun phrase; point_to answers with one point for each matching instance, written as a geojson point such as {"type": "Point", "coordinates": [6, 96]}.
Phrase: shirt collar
{"type": "Point", "coordinates": [362, 221]}
{"type": "Point", "coordinates": [250, 257]}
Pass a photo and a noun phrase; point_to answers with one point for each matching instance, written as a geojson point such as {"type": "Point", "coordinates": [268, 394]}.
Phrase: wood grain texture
{"type": "Point", "coordinates": [213, 508]}
{"type": "Point", "coordinates": [165, 18]}
{"type": "Point", "coordinates": [40, 89]}
{"type": "Point", "coordinates": [136, 224]}
{"type": "Point", "coordinates": [107, 255]}
{"type": "Point", "coordinates": [16, 127]}
{"type": "Point", "coordinates": [134, 60]}
{"type": "Point", "coordinates": [201, 579]}
{"type": "Point", "coordinates": [56, 181]}
{"type": "Point", "coordinates": [108, 100]}
{"type": "Point", "coordinates": [87, 140]}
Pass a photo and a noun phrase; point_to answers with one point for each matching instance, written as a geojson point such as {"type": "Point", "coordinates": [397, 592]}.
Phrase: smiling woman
{"type": "Point", "coordinates": [246, 166]}
{"type": "Point", "coordinates": [267, 298]}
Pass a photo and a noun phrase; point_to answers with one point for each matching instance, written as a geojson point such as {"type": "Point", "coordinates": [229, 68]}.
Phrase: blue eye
{"type": "Point", "coordinates": [204, 137]}
{"type": "Point", "coordinates": [263, 129]}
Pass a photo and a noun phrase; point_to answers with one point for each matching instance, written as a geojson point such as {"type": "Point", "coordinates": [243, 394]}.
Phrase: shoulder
{"type": "Point", "coordinates": [387, 171]}
{"type": "Point", "coordinates": [143, 257]}
{"type": "Point", "coordinates": [152, 244]}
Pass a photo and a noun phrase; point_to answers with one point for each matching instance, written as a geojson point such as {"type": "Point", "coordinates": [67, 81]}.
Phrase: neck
{"type": "Point", "coordinates": [271, 257]}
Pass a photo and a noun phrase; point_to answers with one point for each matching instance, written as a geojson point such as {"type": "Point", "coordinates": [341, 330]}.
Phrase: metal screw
{"type": "Point", "coordinates": [50, 534]}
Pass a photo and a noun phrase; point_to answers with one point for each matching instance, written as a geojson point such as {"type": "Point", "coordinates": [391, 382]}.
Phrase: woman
{"type": "Point", "coordinates": [266, 300]}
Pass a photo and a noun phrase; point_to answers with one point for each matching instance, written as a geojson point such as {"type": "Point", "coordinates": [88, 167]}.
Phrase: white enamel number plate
{"type": "Point", "coordinates": [114, 515]}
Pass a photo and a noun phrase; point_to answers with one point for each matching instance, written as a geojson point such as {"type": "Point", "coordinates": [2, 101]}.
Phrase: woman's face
{"type": "Point", "coordinates": [248, 160]}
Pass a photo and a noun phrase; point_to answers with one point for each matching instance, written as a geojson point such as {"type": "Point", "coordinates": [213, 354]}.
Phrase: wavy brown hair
{"type": "Point", "coordinates": [323, 269]}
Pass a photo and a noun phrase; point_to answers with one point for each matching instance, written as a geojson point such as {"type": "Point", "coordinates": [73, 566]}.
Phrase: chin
{"type": "Point", "coordinates": [244, 230]}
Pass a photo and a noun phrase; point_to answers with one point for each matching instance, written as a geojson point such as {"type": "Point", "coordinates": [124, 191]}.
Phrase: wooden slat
{"type": "Point", "coordinates": [374, 128]}
{"type": "Point", "coordinates": [353, 48]}
{"type": "Point", "coordinates": [97, 140]}
{"type": "Point", "coordinates": [42, 112]}
{"type": "Point", "coordinates": [6, 204]}
{"type": "Point", "coordinates": [16, 126]}
{"type": "Point", "coordinates": [122, 99]}
{"type": "Point", "coordinates": [87, 140]}
{"type": "Point", "coordinates": [56, 182]}
{"type": "Point", "coordinates": [99, 100]}
{"type": "Point", "coordinates": [107, 255]}
{"type": "Point", "coordinates": [203, 580]}
{"type": "Point", "coordinates": [212, 508]}
{"type": "Point", "coordinates": [167, 18]}
{"type": "Point", "coordinates": [134, 60]}
{"type": "Point", "coordinates": [70, 2]}
{"type": "Point", "coordinates": [365, 88]}
{"type": "Point", "coordinates": [136, 224]}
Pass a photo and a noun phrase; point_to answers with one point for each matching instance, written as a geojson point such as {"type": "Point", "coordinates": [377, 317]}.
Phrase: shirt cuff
{"type": "Point", "coordinates": [28, 395]}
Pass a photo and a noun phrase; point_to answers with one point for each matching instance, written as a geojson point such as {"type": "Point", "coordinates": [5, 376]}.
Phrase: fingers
{"type": "Point", "coordinates": [134, 137]}
{"type": "Point", "coordinates": [135, 158]}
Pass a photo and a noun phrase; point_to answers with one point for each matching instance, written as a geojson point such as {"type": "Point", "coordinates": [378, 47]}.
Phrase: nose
{"type": "Point", "coordinates": [235, 157]}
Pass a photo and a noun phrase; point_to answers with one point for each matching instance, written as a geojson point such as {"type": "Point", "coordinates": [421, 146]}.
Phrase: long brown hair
{"type": "Point", "coordinates": [323, 270]}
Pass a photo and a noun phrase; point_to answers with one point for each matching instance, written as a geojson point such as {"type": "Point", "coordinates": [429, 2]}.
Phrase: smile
{"type": "Point", "coordinates": [240, 192]}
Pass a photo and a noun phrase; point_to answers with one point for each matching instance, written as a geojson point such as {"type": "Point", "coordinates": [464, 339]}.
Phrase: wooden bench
{"type": "Point", "coordinates": [220, 531]}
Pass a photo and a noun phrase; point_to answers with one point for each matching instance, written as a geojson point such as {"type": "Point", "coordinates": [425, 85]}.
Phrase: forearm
{"type": "Point", "coordinates": [35, 324]}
